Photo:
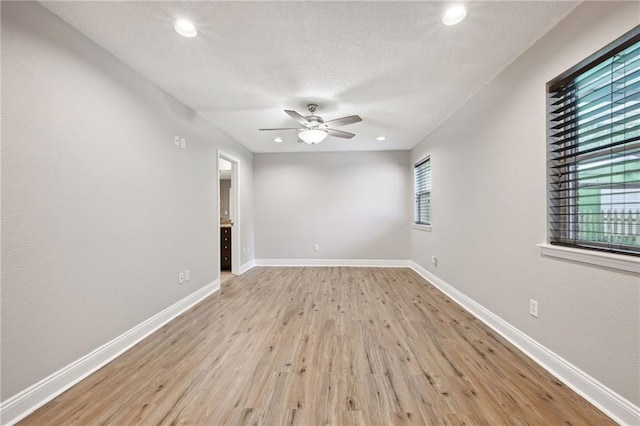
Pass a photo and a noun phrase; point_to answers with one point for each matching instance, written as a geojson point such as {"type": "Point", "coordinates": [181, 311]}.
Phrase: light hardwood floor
{"type": "Point", "coordinates": [225, 275]}
{"type": "Point", "coordinates": [311, 346]}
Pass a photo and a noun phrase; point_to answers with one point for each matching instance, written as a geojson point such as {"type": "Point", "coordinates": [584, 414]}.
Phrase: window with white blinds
{"type": "Point", "coordinates": [594, 151]}
{"type": "Point", "coordinates": [422, 185]}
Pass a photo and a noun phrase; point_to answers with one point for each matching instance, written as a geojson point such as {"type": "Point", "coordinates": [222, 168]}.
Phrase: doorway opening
{"type": "Point", "coordinates": [228, 216]}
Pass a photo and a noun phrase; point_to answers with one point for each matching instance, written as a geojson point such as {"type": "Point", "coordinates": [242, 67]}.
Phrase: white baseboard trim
{"type": "Point", "coordinates": [372, 263]}
{"type": "Point", "coordinates": [609, 402]}
{"type": "Point", "coordinates": [24, 403]}
{"type": "Point", "coordinates": [247, 266]}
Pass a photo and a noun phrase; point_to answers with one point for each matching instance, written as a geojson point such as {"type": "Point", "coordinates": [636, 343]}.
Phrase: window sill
{"type": "Point", "coordinates": [609, 260]}
{"type": "Point", "coordinates": [426, 228]}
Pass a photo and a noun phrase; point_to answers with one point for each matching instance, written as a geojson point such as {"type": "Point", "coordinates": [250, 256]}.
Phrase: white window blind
{"type": "Point", "coordinates": [422, 185]}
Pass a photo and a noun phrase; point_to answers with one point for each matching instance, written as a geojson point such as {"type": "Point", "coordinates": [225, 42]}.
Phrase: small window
{"type": "Point", "coordinates": [422, 186]}
{"type": "Point", "coordinates": [594, 151]}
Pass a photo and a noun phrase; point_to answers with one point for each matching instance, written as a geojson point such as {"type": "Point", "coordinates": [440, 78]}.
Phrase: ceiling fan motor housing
{"type": "Point", "coordinates": [314, 121]}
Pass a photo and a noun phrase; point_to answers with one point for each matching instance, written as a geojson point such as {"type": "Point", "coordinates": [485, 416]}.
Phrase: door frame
{"type": "Point", "coordinates": [234, 211]}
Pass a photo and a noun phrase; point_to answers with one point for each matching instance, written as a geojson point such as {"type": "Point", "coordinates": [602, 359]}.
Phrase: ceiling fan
{"type": "Point", "coordinates": [314, 129]}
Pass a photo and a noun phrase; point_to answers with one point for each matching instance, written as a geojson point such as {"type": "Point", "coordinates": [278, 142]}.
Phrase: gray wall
{"type": "Point", "coordinates": [100, 211]}
{"type": "Point", "coordinates": [350, 203]}
{"type": "Point", "coordinates": [225, 188]}
{"type": "Point", "coordinates": [489, 211]}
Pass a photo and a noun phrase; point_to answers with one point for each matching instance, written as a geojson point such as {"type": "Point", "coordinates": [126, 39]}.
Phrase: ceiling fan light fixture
{"type": "Point", "coordinates": [454, 15]}
{"type": "Point", "coordinates": [312, 136]}
{"type": "Point", "coordinates": [314, 129]}
{"type": "Point", "coordinates": [380, 138]}
{"type": "Point", "coordinates": [185, 28]}
{"type": "Point", "coordinates": [278, 140]}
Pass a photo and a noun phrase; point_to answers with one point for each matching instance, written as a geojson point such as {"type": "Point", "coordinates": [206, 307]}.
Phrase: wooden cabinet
{"type": "Point", "coordinates": [225, 248]}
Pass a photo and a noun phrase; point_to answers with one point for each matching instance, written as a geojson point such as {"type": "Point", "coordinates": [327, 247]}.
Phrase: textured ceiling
{"type": "Point", "coordinates": [393, 63]}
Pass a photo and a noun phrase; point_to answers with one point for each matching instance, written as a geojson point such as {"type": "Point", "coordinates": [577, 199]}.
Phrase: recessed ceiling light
{"type": "Point", "coordinates": [454, 15]}
{"type": "Point", "coordinates": [278, 140]}
{"type": "Point", "coordinates": [185, 28]}
{"type": "Point", "coordinates": [380, 138]}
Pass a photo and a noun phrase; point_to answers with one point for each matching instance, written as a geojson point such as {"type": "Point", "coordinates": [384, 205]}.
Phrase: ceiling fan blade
{"type": "Point", "coordinates": [340, 134]}
{"type": "Point", "coordinates": [283, 128]}
{"type": "Point", "coordinates": [344, 120]}
{"type": "Point", "coordinates": [299, 118]}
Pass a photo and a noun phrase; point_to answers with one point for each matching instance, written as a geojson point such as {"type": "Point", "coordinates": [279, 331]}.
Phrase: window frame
{"type": "Point", "coordinates": [567, 235]}
{"type": "Point", "coordinates": [417, 224]}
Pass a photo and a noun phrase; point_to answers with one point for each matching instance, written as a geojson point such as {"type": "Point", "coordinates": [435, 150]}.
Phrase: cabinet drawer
{"type": "Point", "coordinates": [225, 248]}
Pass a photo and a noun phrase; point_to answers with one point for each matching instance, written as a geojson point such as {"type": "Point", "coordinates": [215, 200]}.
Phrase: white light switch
{"type": "Point", "coordinates": [533, 308]}
{"type": "Point", "coordinates": [183, 143]}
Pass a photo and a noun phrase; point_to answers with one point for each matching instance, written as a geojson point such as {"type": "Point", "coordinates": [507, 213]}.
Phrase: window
{"type": "Point", "coordinates": [594, 151]}
{"type": "Point", "coordinates": [422, 186]}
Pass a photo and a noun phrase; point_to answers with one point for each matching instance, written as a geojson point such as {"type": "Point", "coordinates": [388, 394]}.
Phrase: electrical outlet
{"type": "Point", "coordinates": [181, 278]}
{"type": "Point", "coordinates": [316, 247]}
{"type": "Point", "coordinates": [186, 275]}
{"type": "Point", "coordinates": [434, 260]}
{"type": "Point", "coordinates": [176, 140]}
{"type": "Point", "coordinates": [183, 143]}
{"type": "Point", "coordinates": [533, 308]}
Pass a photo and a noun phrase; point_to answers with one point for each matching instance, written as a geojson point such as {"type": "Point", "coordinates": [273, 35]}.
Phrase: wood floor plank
{"type": "Point", "coordinates": [322, 346]}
